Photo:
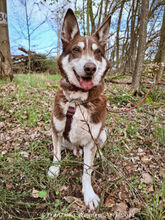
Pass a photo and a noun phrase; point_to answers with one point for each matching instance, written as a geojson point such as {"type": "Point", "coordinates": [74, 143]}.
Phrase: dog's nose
{"type": "Point", "coordinates": [90, 68]}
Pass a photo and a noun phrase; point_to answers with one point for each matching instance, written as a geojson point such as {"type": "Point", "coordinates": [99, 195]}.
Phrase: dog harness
{"type": "Point", "coordinates": [69, 117]}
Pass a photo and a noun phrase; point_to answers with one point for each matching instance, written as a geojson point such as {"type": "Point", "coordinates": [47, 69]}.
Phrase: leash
{"type": "Point", "coordinates": [69, 117]}
{"type": "Point", "coordinates": [130, 109]}
{"type": "Point", "coordinates": [71, 112]}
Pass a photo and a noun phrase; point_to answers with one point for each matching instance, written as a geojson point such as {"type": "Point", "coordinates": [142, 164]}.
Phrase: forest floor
{"type": "Point", "coordinates": [130, 179]}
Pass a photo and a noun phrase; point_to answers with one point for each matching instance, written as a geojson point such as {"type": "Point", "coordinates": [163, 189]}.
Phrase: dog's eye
{"type": "Point", "coordinates": [98, 51]}
{"type": "Point", "coordinates": [76, 49]}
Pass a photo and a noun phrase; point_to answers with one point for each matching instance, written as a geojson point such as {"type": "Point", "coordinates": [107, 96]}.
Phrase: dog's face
{"type": "Point", "coordinates": [83, 62]}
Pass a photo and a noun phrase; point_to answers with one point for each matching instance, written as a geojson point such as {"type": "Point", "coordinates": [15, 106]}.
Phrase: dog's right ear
{"type": "Point", "coordinates": [102, 32]}
{"type": "Point", "coordinates": [70, 28]}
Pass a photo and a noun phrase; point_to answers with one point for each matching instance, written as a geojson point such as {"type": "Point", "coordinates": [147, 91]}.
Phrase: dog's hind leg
{"type": "Point", "coordinates": [55, 169]}
{"type": "Point", "coordinates": [91, 199]}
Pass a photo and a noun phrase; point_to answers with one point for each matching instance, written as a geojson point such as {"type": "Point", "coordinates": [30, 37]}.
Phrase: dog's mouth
{"type": "Point", "coordinates": [86, 82]}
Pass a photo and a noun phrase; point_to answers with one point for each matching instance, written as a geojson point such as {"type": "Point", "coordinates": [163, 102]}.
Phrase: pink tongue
{"type": "Point", "coordinates": [86, 84]}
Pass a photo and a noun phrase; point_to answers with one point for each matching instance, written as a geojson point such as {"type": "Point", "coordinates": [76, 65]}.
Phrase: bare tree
{"type": "Point", "coordinates": [141, 46]}
{"type": "Point", "coordinates": [161, 42]}
{"type": "Point", "coordinates": [133, 32]}
{"type": "Point", "coordinates": [57, 11]}
{"type": "Point", "coordinates": [117, 34]}
{"type": "Point", "coordinates": [28, 33]}
{"type": "Point", "coordinates": [5, 63]}
{"type": "Point", "coordinates": [160, 56]}
{"type": "Point", "coordinates": [26, 24]}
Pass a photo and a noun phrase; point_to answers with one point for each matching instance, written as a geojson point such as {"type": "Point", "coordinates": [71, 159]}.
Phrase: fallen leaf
{"type": "Point", "coordinates": [146, 178]}
{"type": "Point", "coordinates": [120, 210]}
{"type": "Point", "coordinates": [151, 188]}
{"type": "Point", "coordinates": [71, 199]}
{"type": "Point", "coordinates": [123, 196]}
{"type": "Point", "coordinates": [140, 150]}
{"type": "Point", "coordinates": [3, 153]}
{"type": "Point", "coordinates": [133, 211]}
{"type": "Point", "coordinates": [149, 143]}
{"type": "Point", "coordinates": [64, 188]}
{"type": "Point", "coordinates": [109, 202]}
{"type": "Point", "coordinates": [35, 193]}
{"type": "Point", "coordinates": [162, 172]}
{"type": "Point", "coordinates": [10, 160]}
{"type": "Point", "coordinates": [2, 124]}
{"type": "Point", "coordinates": [24, 154]}
{"type": "Point", "coordinates": [76, 203]}
{"type": "Point", "coordinates": [8, 186]}
{"type": "Point", "coordinates": [145, 159]}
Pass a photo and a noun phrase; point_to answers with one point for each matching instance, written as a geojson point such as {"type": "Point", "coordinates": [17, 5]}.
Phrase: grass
{"type": "Point", "coordinates": [37, 81]}
{"type": "Point", "coordinates": [155, 210]}
{"type": "Point", "coordinates": [135, 145]}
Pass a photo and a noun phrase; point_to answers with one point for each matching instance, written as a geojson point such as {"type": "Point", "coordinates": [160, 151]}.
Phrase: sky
{"type": "Point", "coordinates": [43, 39]}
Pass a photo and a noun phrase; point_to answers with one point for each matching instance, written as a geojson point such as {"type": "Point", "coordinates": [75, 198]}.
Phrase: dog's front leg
{"type": "Point", "coordinates": [54, 170]}
{"type": "Point", "coordinates": [91, 199]}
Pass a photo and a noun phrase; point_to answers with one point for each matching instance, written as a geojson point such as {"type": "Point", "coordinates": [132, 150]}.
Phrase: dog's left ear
{"type": "Point", "coordinates": [103, 31]}
{"type": "Point", "coordinates": [70, 28]}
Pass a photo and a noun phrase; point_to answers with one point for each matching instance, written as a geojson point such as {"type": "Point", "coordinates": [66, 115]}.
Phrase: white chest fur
{"type": "Point", "coordinates": [82, 129]}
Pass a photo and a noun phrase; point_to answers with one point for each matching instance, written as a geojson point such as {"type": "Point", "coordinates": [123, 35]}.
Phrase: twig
{"type": "Point", "coordinates": [117, 82]}
{"type": "Point", "coordinates": [89, 129]}
{"type": "Point", "coordinates": [121, 174]}
{"type": "Point", "coordinates": [66, 162]}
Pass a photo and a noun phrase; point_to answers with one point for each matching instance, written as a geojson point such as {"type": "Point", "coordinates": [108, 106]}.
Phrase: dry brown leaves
{"type": "Point", "coordinates": [137, 157]}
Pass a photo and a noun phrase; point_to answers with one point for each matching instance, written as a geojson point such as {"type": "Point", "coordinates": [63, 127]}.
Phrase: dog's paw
{"type": "Point", "coordinates": [53, 171]}
{"type": "Point", "coordinates": [91, 200]}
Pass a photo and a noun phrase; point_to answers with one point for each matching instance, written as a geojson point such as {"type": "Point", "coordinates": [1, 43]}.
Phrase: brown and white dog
{"type": "Point", "coordinates": [79, 113]}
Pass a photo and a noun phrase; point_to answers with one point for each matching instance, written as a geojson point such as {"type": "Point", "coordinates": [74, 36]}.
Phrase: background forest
{"type": "Point", "coordinates": [136, 37]}
{"type": "Point", "coordinates": [130, 179]}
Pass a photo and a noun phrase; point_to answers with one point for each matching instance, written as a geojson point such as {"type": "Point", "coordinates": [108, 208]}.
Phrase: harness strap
{"type": "Point", "coordinates": [69, 117]}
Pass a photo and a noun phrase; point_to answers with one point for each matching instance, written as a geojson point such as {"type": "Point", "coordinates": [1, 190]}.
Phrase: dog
{"type": "Point", "coordinates": [79, 112]}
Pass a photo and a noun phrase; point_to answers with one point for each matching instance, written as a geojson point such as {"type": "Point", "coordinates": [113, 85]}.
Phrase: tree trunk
{"type": "Point", "coordinates": [91, 17]}
{"type": "Point", "coordinates": [141, 46]}
{"type": "Point", "coordinates": [161, 42]}
{"type": "Point", "coordinates": [29, 38]}
{"type": "Point", "coordinates": [5, 60]}
{"type": "Point", "coordinates": [160, 57]}
{"type": "Point", "coordinates": [117, 34]}
{"type": "Point", "coordinates": [87, 14]}
{"type": "Point", "coordinates": [105, 8]}
{"type": "Point", "coordinates": [100, 14]}
{"type": "Point", "coordinates": [130, 62]}
{"type": "Point", "coordinates": [84, 28]}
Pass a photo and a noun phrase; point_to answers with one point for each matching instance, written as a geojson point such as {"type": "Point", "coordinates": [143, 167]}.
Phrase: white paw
{"type": "Point", "coordinates": [91, 199]}
{"type": "Point", "coordinates": [53, 171]}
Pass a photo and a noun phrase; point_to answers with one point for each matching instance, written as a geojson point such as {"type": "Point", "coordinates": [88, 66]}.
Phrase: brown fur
{"type": "Point", "coordinates": [96, 102]}
{"type": "Point", "coordinates": [68, 49]}
{"type": "Point", "coordinates": [81, 89]}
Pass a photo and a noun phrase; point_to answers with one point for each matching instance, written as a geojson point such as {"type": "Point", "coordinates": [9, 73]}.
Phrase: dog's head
{"type": "Point", "coordinates": [83, 63]}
